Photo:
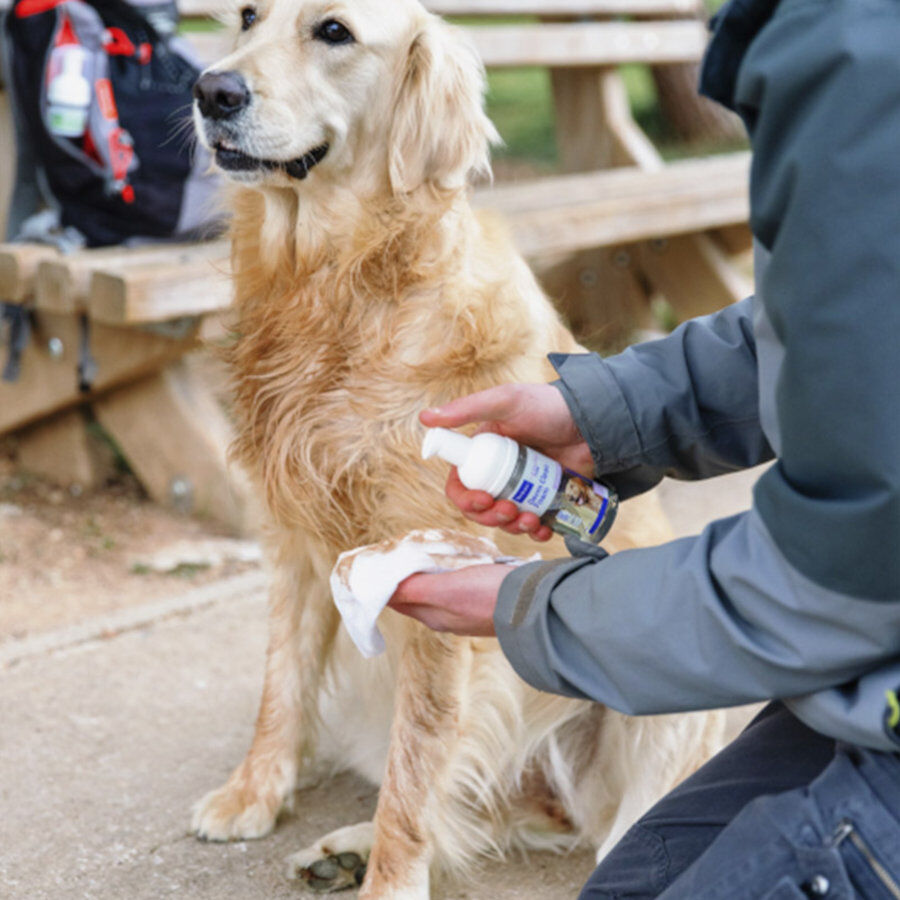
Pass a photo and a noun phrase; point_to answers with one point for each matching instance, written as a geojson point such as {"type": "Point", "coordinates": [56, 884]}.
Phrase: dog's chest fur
{"type": "Point", "coordinates": [333, 366]}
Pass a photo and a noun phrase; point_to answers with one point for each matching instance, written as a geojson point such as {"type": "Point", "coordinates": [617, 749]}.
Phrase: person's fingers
{"type": "Point", "coordinates": [542, 535]}
{"type": "Point", "coordinates": [506, 511]}
{"type": "Point", "coordinates": [414, 590]}
{"type": "Point", "coordinates": [528, 522]}
{"type": "Point", "coordinates": [494, 403]}
{"type": "Point", "coordinates": [467, 501]}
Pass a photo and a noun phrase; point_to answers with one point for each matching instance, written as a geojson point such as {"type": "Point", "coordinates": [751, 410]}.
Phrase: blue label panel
{"type": "Point", "coordinates": [523, 491]}
{"type": "Point", "coordinates": [600, 515]}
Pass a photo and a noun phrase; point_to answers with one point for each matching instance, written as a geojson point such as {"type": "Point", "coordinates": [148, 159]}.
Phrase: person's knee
{"type": "Point", "coordinates": [635, 869]}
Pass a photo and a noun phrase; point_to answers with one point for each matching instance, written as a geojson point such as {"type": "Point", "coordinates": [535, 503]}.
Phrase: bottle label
{"type": "Point", "coordinates": [580, 505]}
{"type": "Point", "coordinates": [535, 482]}
{"type": "Point", "coordinates": [566, 501]}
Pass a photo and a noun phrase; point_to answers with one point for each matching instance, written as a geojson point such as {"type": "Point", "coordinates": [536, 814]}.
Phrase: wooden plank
{"type": "Point", "coordinates": [735, 239]}
{"type": "Point", "coordinates": [191, 285]}
{"type": "Point", "coordinates": [184, 464]}
{"type": "Point", "coordinates": [621, 206]}
{"type": "Point", "coordinates": [564, 45]}
{"type": "Point", "coordinates": [194, 9]}
{"type": "Point", "coordinates": [610, 221]}
{"type": "Point", "coordinates": [632, 182]}
{"type": "Point", "coordinates": [49, 380]}
{"type": "Point", "coordinates": [594, 125]}
{"type": "Point", "coordinates": [567, 8]}
{"type": "Point", "coordinates": [600, 295]}
{"type": "Point", "coordinates": [693, 275]}
{"type": "Point", "coordinates": [602, 300]}
{"type": "Point", "coordinates": [18, 267]}
{"type": "Point", "coordinates": [60, 448]}
{"type": "Point", "coordinates": [62, 285]}
{"type": "Point", "coordinates": [568, 45]}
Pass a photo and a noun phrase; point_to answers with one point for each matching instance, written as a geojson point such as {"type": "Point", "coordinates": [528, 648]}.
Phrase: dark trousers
{"type": "Point", "coordinates": [780, 813]}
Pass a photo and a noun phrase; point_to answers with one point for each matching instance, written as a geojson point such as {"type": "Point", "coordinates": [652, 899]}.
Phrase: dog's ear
{"type": "Point", "coordinates": [439, 133]}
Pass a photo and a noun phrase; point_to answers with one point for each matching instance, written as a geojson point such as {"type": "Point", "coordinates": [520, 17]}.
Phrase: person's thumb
{"type": "Point", "coordinates": [492, 404]}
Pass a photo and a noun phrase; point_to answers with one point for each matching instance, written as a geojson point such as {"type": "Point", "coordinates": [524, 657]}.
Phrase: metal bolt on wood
{"type": "Point", "coordinates": [55, 348]}
{"type": "Point", "coordinates": [181, 492]}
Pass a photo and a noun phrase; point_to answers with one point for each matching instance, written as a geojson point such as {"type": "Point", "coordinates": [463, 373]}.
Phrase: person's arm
{"type": "Point", "coordinates": [802, 594]}
{"type": "Point", "coordinates": [686, 406]}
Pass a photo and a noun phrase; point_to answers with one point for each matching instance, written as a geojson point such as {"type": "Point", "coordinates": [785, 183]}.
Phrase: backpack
{"type": "Point", "coordinates": [102, 94]}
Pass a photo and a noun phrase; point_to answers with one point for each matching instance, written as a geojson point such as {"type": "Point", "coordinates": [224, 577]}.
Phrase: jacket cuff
{"type": "Point", "coordinates": [598, 408]}
{"type": "Point", "coordinates": [520, 618]}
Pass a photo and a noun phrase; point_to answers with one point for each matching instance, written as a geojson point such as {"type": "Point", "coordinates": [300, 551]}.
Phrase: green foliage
{"type": "Point", "coordinates": [520, 104]}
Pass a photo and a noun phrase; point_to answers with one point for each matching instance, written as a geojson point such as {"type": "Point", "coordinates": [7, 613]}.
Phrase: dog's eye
{"type": "Point", "coordinates": [248, 17]}
{"type": "Point", "coordinates": [333, 32]}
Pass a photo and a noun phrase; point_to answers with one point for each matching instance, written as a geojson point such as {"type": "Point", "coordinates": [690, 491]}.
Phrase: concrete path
{"type": "Point", "coordinates": [109, 731]}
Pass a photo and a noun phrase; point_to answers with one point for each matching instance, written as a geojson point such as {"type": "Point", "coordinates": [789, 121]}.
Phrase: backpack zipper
{"type": "Point", "coordinates": [847, 831]}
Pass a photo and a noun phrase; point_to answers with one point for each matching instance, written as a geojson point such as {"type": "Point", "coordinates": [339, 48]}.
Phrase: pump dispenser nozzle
{"type": "Point", "coordinates": [451, 446]}
{"type": "Point", "coordinates": [485, 462]}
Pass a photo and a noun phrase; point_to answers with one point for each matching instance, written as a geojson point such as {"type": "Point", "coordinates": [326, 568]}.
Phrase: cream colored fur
{"type": "Point", "coordinates": [364, 293]}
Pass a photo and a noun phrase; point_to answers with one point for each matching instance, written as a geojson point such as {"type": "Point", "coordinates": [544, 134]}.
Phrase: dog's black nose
{"type": "Point", "coordinates": [221, 94]}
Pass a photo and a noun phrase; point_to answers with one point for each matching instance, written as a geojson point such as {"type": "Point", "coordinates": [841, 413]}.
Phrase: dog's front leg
{"type": "Point", "coordinates": [429, 706]}
{"type": "Point", "coordinates": [302, 626]}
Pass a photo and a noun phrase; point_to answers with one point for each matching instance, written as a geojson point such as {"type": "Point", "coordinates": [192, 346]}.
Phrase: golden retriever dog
{"type": "Point", "coordinates": [367, 288]}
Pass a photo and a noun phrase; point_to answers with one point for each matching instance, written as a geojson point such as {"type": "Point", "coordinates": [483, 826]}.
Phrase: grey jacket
{"type": "Point", "coordinates": [798, 598]}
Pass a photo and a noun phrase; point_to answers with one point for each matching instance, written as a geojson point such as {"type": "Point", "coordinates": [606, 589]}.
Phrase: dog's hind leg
{"type": "Point", "coordinates": [302, 627]}
{"type": "Point", "coordinates": [430, 704]}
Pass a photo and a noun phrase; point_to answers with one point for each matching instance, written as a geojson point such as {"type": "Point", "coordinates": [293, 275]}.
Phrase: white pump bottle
{"type": "Point", "coordinates": [566, 501]}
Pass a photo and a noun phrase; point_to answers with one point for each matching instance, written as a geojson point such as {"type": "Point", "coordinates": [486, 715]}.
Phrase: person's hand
{"type": "Point", "coordinates": [461, 602]}
{"type": "Point", "coordinates": [532, 414]}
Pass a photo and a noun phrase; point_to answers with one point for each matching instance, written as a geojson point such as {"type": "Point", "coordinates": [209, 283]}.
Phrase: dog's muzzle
{"type": "Point", "coordinates": [220, 97]}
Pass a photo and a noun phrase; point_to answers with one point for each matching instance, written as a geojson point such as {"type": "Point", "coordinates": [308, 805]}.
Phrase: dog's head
{"type": "Point", "coordinates": [366, 94]}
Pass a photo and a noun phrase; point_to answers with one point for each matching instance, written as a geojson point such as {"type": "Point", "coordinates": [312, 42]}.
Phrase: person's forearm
{"type": "Point", "coordinates": [708, 621]}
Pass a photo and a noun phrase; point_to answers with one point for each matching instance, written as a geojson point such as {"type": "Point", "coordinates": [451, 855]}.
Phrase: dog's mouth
{"type": "Point", "coordinates": [231, 159]}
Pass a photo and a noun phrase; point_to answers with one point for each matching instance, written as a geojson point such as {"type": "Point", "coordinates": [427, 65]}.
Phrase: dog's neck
{"type": "Point", "coordinates": [378, 246]}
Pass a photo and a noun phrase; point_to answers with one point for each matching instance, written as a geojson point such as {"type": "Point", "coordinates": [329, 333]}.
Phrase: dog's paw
{"type": "Point", "coordinates": [336, 862]}
{"type": "Point", "coordinates": [229, 814]}
{"type": "Point", "coordinates": [328, 874]}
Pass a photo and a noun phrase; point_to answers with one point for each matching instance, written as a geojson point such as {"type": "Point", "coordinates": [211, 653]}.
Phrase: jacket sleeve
{"type": "Point", "coordinates": [713, 620]}
{"type": "Point", "coordinates": [686, 406]}
{"type": "Point", "coordinates": [799, 597]}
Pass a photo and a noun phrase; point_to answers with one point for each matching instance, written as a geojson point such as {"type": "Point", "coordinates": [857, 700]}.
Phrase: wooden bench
{"type": "Point", "coordinates": [617, 227]}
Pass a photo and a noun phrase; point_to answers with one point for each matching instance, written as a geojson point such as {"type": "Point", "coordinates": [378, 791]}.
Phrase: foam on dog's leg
{"type": "Point", "coordinates": [335, 862]}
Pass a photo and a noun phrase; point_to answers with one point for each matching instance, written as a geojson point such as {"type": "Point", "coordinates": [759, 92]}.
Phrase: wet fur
{"type": "Point", "coordinates": [364, 294]}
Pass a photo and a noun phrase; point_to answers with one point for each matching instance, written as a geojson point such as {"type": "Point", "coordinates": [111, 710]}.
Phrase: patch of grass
{"type": "Point", "coordinates": [188, 570]}
{"type": "Point", "coordinates": [520, 103]}
{"type": "Point", "coordinates": [92, 531]}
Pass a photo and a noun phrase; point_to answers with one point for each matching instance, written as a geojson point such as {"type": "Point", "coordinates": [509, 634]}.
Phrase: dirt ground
{"type": "Point", "coordinates": [65, 557]}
